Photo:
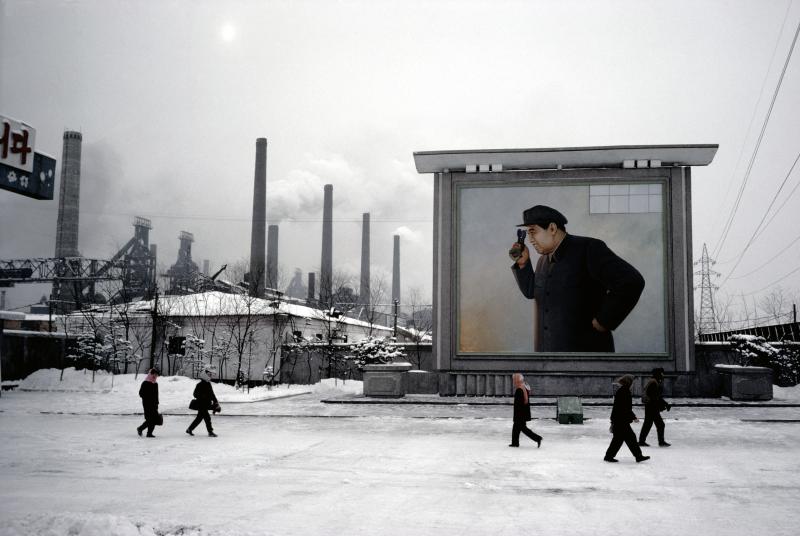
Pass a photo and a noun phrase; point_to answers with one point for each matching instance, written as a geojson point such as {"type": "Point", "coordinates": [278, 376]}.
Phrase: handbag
{"type": "Point", "coordinates": [159, 420]}
{"type": "Point", "coordinates": [194, 404]}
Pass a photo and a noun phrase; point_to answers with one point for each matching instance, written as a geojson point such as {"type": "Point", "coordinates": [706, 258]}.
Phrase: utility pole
{"type": "Point", "coordinates": [154, 331]}
{"type": "Point", "coordinates": [396, 303]}
{"type": "Point", "coordinates": [708, 318]}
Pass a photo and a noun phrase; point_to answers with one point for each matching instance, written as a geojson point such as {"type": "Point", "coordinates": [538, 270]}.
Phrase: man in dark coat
{"type": "Point", "coordinates": [522, 412]}
{"type": "Point", "coordinates": [583, 291]}
{"type": "Point", "coordinates": [148, 392]}
{"type": "Point", "coordinates": [621, 418]}
{"type": "Point", "coordinates": [654, 404]}
{"type": "Point", "coordinates": [206, 400]}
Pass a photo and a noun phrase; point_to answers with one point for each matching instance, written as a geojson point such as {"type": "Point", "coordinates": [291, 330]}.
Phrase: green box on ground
{"type": "Point", "coordinates": [569, 410]}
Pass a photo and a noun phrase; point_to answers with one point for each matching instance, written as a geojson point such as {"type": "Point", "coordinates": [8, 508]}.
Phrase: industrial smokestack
{"type": "Point", "coordinates": [206, 264]}
{"type": "Point", "coordinates": [258, 236]}
{"type": "Point", "coordinates": [326, 264]}
{"type": "Point", "coordinates": [364, 297]}
{"type": "Point", "coordinates": [396, 270]}
{"type": "Point", "coordinates": [272, 257]}
{"type": "Point", "coordinates": [69, 196]}
{"type": "Point", "coordinates": [311, 289]}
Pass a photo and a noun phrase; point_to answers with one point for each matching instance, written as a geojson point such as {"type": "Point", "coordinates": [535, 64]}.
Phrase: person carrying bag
{"type": "Point", "coordinates": [204, 400]}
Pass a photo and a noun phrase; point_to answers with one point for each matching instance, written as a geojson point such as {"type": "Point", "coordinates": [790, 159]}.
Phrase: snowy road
{"type": "Point", "coordinates": [297, 466]}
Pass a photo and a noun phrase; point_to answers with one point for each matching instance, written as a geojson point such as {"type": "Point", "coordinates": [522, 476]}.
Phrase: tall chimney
{"type": "Point", "coordinates": [311, 289]}
{"type": "Point", "coordinates": [70, 196]}
{"type": "Point", "coordinates": [206, 264]}
{"type": "Point", "coordinates": [396, 270]}
{"type": "Point", "coordinates": [272, 257]}
{"type": "Point", "coordinates": [364, 292]}
{"type": "Point", "coordinates": [258, 236]}
{"type": "Point", "coordinates": [326, 264]}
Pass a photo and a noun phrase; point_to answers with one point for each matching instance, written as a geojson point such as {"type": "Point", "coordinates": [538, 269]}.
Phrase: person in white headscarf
{"type": "Point", "coordinates": [522, 412]}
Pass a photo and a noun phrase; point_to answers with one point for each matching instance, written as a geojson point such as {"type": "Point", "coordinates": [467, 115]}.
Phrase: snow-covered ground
{"type": "Point", "coordinates": [71, 463]}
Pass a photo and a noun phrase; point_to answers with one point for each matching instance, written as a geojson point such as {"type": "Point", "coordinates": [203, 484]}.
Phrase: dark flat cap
{"type": "Point", "coordinates": [542, 215]}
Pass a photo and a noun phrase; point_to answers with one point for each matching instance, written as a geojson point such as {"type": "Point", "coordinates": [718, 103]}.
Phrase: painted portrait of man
{"type": "Point", "coordinates": [583, 290]}
{"type": "Point", "coordinates": [595, 285]}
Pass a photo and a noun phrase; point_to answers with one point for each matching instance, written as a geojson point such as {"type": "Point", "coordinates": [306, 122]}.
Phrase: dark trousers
{"type": "Point", "coordinates": [150, 417]}
{"type": "Point", "coordinates": [651, 416]}
{"type": "Point", "coordinates": [623, 433]}
{"type": "Point", "coordinates": [202, 415]}
{"type": "Point", "coordinates": [523, 427]}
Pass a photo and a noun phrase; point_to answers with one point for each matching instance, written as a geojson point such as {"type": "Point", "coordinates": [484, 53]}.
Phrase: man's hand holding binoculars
{"type": "Point", "coordinates": [519, 251]}
{"type": "Point", "coordinates": [519, 254]}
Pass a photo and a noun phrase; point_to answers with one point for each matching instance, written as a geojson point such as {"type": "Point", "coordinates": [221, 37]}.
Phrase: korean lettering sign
{"type": "Point", "coordinates": [22, 170]}
{"type": "Point", "coordinates": [16, 144]}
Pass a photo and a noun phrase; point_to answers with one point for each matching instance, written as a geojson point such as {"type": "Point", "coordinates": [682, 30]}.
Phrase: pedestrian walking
{"type": "Point", "coordinates": [654, 404]}
{"type": "Point", "coordinates": [522, 412]}
{"type": "Point", "coordinates": [204, 400]}
{"type": "Point", "coordinates": [621, 418]}
{"type": "Point", "coordinates": [148, 392]}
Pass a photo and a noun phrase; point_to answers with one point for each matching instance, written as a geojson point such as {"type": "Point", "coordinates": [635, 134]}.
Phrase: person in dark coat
{"type": "Point", "coordinates": [583, 291]}
{"type": "Point", "coordinates": [621, 418]}
{"type": "Point", "coordinates": [206, 400]}
{"type": "Point", "coordinates": [149, 395]}
{"type": "Point", "coordinates": [522, 412]}
{"type": "Point", "coordinates": [654, 404]}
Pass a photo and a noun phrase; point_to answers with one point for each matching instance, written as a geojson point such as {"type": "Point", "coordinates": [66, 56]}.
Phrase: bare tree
{"type": "Point", "coordinates": [420, 323]}
{"type": "Point", "coordinates": [332, 312]}
{"type": "Point", "coordinates": [374, 311]}
{"type": "Point", "coordinates": [242, 324]}
{"type": "Point", "coordinates": [776, 305]}
{"type": "Point", "coordinates": [237, 270]}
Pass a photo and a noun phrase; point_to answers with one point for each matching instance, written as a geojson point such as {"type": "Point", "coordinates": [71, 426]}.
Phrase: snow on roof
{"type": "Point", "coordinates": [215, 303]}
{"type": "Point", "coordinates": [31, 317]}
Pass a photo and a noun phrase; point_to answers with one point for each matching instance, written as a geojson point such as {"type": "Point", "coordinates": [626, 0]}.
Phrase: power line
{"type": "Point", "coordinates": [760, 223]}
{"type": "Point", "coordinates": [781, 207]}
{"type": "Point", "coordinates": [773, 283]}
{"type": "Point", "coordinates": [244, 219]}
{"type": "Point", "coordinates": [758, 102]}
{"type": "Point", "coordinates": [737, 203]}
{"type": "Point", "coordinates": [767, 262]}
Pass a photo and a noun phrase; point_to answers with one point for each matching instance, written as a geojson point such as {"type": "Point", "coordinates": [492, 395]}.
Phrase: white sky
{"type": "Point", "coordinates": [170, 97]}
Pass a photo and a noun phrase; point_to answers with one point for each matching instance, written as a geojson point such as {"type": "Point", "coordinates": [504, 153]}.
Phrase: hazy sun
{"type": "Point", "coordinates": [228, 32]}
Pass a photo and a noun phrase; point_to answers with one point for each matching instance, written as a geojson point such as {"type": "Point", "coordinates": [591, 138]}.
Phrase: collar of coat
{"type": "Point", "coordinates": [562, 249]}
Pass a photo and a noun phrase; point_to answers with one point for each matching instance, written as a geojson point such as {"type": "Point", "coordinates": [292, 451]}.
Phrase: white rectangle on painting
{"type": "Point", "coordinates": [598, 204]}
{"type": "Point", "coordinates": [638, 204]}
{"type": "Point", "coordinates": [619, 189]}
{"type": "Point", "coordinates": [654, 203]}
{"type": "Point", "coordinates": [618, 204]}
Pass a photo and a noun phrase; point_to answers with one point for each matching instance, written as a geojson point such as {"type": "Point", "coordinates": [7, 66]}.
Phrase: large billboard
{"type": "Point", "coordinates": [598, 290]}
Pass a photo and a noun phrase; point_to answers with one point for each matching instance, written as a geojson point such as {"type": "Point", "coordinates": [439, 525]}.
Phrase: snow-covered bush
{"type": "Point", "coordinates": [373, 350]}
{"type": "Point", "coordinates": [752, 350]}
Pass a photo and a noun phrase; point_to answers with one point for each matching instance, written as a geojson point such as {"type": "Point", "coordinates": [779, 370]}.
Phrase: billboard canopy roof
{"type": "Point", "coordinates": [565, 158]}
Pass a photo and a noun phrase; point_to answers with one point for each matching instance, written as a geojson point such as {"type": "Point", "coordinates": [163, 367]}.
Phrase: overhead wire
{"type": "Point", "coordinates": [737, 203]}
{"type": "Point", "coordinates": [758, 102]}
{"type": "Point", "coordinates": [751, 272]}
{"type": "Point", "coordinates": [773, 283]}
{"type": "Point", "coordinates": [760, 223]}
